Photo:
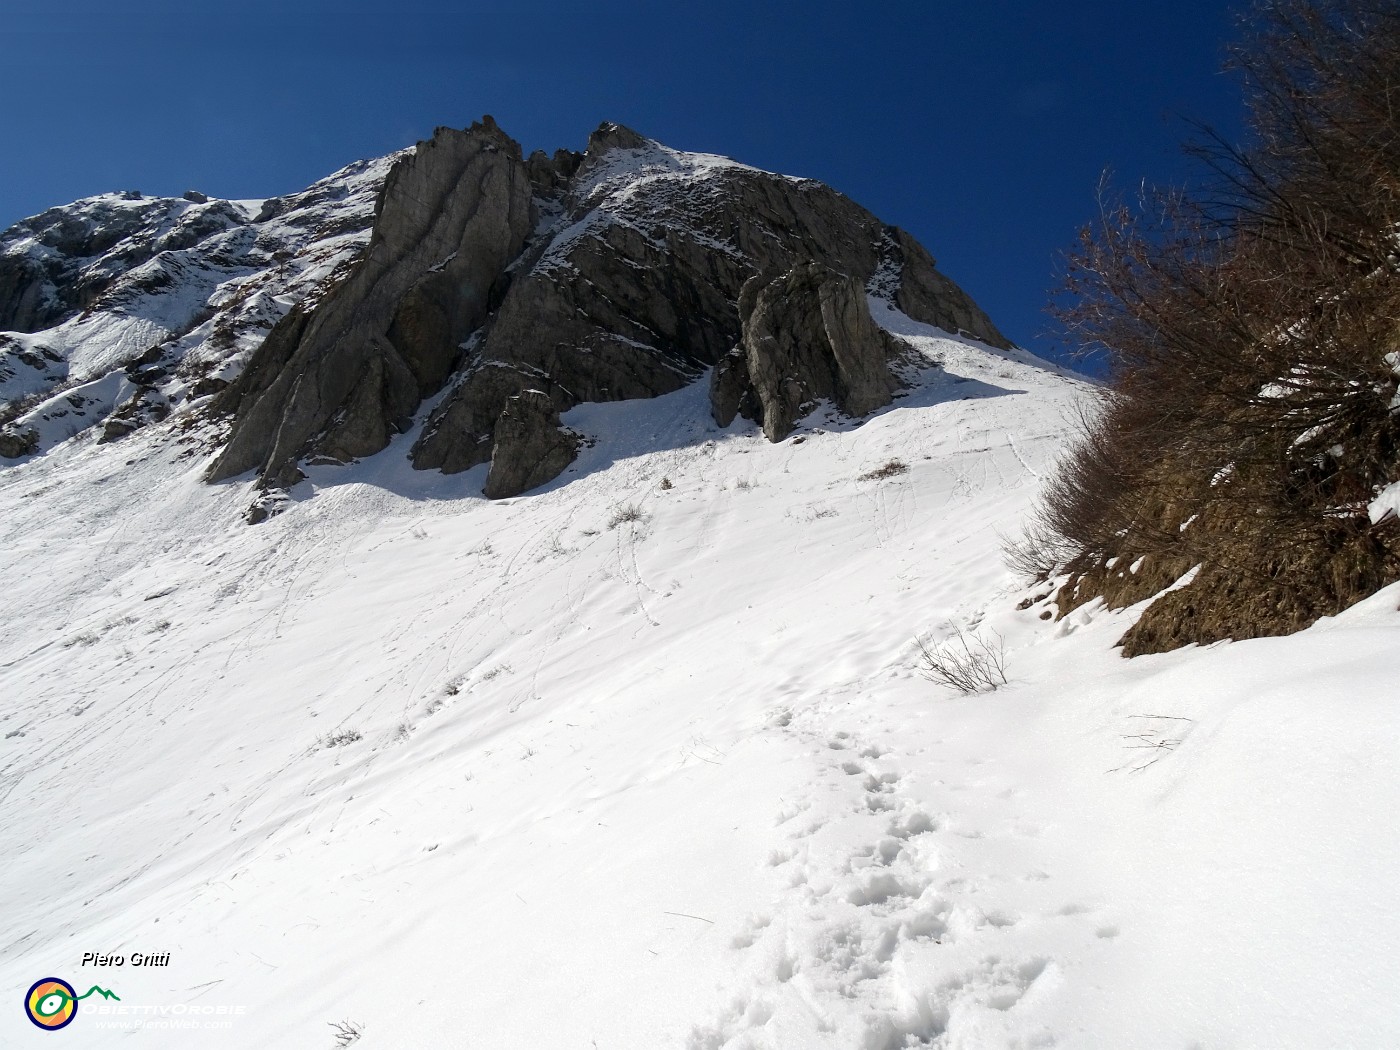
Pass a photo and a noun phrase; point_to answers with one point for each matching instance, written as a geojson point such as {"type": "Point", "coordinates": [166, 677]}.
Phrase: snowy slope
{"type": "Point", "coordinates": [643, 759]}
{"type": "Point", "coordinates": [652, 190]}
{"type": "Point", "coordinates": [185, 287]}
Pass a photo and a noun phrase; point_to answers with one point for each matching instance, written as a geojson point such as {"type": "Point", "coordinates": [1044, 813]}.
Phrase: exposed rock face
{"type": "Point", "coordinates": [58, 263]}
{"type": "Point", "coordinates": [927, 295]}
{"type": "Point", "coordinates": [807, 336]}
{"type": "Point", "coordinates": [175, 292]}
{"type": "Point", "coordinates": [339, 384]}
{"type": "Point", "coordinates": [146, 405]}
{"type": "Point", "coordinates": [14, 444]}
{"type": "Point", "coordinates": [633, 291]}
{"type": "Point", "coordinates": [517, 288]}
{"type": "Point", "coordinates": [530, 448]}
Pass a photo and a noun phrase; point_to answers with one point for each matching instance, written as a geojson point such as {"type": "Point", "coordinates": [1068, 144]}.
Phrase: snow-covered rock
{"type": "Point", "coordinates": [181, 290]}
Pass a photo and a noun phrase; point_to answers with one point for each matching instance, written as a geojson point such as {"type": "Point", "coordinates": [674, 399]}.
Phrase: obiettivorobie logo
{"type": "Point", "coordinates": [52, 1003]}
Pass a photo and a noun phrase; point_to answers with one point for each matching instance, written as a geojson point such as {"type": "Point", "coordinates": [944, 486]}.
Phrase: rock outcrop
{"type": "Point", "coordinates": [633, 291]}
{"type": "Point", "coordinates": [17, 443]}
{"type": "Point", "coordinates": [807, 337]}
{"type": "Point", "coordinates": [510, 289]}
{"type": "Point", "coordinates": [170, 294]}
{"type": "Point", "coordinates": [58, 263]}
{"type": "Point", "coordinates": [337, 384]}
{"type": "Point", "coordinates": [530, 447]}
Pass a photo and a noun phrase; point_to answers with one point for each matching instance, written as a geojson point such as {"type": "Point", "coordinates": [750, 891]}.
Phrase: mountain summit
{"type": "Point", "coordinates": [504, 289]}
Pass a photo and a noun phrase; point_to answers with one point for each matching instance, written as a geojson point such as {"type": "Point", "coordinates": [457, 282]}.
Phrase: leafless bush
{"type": "Point", "coordinates": [556, 549]}
{"type": "Point", "coordinates": [624, 514]}
{"type": "Point", "coordinates": [968, 663]}
{"type": "Point", "coordinates": [1157, 735]}
{"type": "Point", "coordinates": [12, 410]}
{"type": "Point", "coordinates": [891, 469]}
{"type": "Point", "coordinates": [1037, 554]}
{"type": "Point", "coordinates": [1249, 321]}
{"type": "Point", "coordinates": [340, 737]}
{"type": "Point", "coordinates": [347, 1032]}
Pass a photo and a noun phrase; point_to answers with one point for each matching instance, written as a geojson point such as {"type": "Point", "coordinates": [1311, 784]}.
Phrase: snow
{"type": "Point", "coordinates": [1387, 501]}
{"type": "Point", "coordinates": [73, 411]}
{"type": "Point", "coordinates": [652, 190]}
{"type": "Point", "coordinates": [248, 273]}
{"type": "Point", "coordinates": [643, 766]}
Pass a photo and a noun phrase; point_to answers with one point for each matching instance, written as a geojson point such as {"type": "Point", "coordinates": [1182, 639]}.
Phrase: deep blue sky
{"type": "Point", "coordinates": [981, 127]}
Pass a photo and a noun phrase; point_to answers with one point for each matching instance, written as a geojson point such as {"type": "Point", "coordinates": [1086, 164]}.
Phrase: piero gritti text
{"type": "Point", "coordinates": [134, 959]}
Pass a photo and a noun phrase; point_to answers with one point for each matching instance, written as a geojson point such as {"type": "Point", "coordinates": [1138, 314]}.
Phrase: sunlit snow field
{"type": "Point", "coordinates": [645, 759]}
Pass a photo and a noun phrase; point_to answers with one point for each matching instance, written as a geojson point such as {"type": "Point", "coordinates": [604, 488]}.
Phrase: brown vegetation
{"type": "Point", "coordinates": [1252, 327]}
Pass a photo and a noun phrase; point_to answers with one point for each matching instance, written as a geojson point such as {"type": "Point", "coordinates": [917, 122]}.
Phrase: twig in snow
{"type": "Point", "coordinates": [683, 915]}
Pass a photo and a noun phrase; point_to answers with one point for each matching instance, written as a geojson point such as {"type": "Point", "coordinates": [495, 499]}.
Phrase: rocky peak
{"type": "Point", "coordinates": [610, 136]}
{"type": "Point", "coordinates": [337, 385]}
{"type": "Point", "coordinates": [657, 265]}
{"type": "Point", "coordinates": [550, 175]}
{"type": "Point", "coordinates": [511, 289]}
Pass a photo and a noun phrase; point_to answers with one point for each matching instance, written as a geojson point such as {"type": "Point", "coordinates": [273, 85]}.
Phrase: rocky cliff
{"type": "Point", "coordinates": [507, 289]}
{"type": "Point", "coordinates": [116, 309]}
{"type": "Point", "coordinates": [338, 383]}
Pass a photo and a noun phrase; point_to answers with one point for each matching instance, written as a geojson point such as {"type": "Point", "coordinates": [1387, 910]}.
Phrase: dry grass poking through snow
{"type": "Point", "coordinates": [624, 514]}
{"type": "Point", "coordinates": [891, 469]}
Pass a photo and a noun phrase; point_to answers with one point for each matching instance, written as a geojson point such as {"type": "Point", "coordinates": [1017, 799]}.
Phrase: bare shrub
{"type": "Point", "coordinates": [347, 1032]}
{"type": "Point", "coordinates": [1249, 323]}
{"type": "Point", "coordinates": [893, 468]}
{"type": "Point", "coordinates": [340, 737]}
{"type": "Point", "coordinates": [968, 663]}
{"type": "Point", "coordinates": [556, 549]}
{"type": "Point", "coordinates": [1158, 735]}
{"type": "Point", "coordinates": [12, 410]}
{"type": "Point", "coordinates": [1037, 554]}
{"type": "Point", "coordinates": [629, 513]}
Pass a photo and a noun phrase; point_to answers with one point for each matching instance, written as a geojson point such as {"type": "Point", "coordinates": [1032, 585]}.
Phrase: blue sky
{"type": "Point", "coordinates": [980, 127]}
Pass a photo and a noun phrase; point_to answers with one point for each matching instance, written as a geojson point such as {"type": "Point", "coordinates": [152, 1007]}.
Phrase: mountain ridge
{"type": "Point", "coordinates": [475, 273]}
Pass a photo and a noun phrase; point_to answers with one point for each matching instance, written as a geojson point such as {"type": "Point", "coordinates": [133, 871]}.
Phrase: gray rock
{"type": "Point", "coordinates": [927, 295]}
{"type": "Point", "coordinates": [636, 281]}
{"type": "Point", "coordinates": [82, 253]}
{"type": "Point", "coordinates": [530, 448]}
{"type": "Point", "coordinates": [634, 291]}
{"type": "Point", "coordinates": [338, 383]}
{"type": "Point", "coordinates": [460, 434]}
{"type": "Point", "coordinates": [17, 443]}
{"type": "Point", "coordinates": [144, 407]}
{"type": "Point", "coordinates": [550, 175]}
{"type": "Point", "coordinates": [807, 337]}
{"type": "Point", "coordinates": [731, 389]}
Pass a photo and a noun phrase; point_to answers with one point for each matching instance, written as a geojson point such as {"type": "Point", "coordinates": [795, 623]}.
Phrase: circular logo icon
{"type": "Point", "coordinates": [51, 1003]}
